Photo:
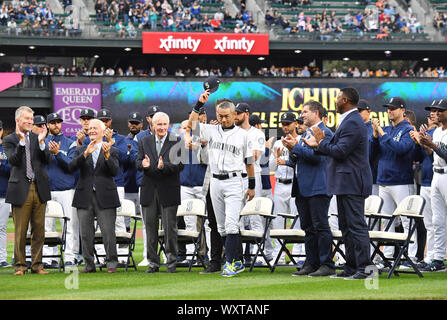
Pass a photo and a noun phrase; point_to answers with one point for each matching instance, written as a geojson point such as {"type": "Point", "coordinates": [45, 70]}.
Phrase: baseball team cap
{"type": "Point", "coordinates": [442, 104]}
{"type": "Point", "coordinates": [396, 102]}
{"type": "Point", "coordinates": [432, 105]}
{"type": "Point", "coordinates": [300, 120]}
{"type": "Point", "coordinates": [288, 117]}
{"type": "Point", "coordinates": [104, 114]}
{"type": "Point", "coordinates": [53, 117]}
{"type": "Point", "coordinates": [39, 120]}
{"type": "Point", "coordinates": [254, 120]}
{"type": "Point", "coordinates": [363, 105]}
{"type": "Point", "coordinates": [211, 84]}
{"type": "Point", "coordinates": [87, 113]}
{"type": "Point", "coordinates": [135, 117]}
{"type": "Point", "coordinates": [242, 107]}
{"type": "Point", "coordinates": [152, 110]}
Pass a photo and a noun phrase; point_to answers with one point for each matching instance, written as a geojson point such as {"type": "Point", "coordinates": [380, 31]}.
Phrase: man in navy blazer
{"type": "Point", "coordinates": [311, 195]}
{"type": "Point", "coordinates": [349, 178]}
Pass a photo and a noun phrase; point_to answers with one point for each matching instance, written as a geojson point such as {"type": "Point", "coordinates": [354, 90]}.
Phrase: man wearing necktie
{"type": "Point", "coordinates": [96, 195]}
{"type": "Point", "coordinates": [28, 188]}
{"type": "Point", "coordinates": [160, 190]}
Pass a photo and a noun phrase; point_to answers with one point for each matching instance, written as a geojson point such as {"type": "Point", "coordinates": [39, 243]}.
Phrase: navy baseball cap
{"type": "Point", "coordinates": [38, 120]}
{"type": "Point", "coordinates": [288, 117]}
{"type": "Point", "coordinates": [324, 114]}
{"type": "Point", "coordinates": [433, 105]}
{"type": "Point", "coordinates": [442, 104]}
{"type": "Point", "coordinates": [254, 120]}
{"type": "Point", "coordinates": [104, 114]}
{"type": "Point", "coordinates": [87, 113]}
{"type": "Point", "coordinates": [242, 107]}
{"type": "Point", "coordinates": [300, 120]}
{"type": "Point", "coordinates": [54, 117]}
{"type": "Point", "coordinates": [152, 110]}
{"type": "Point", "coordinates": [396, 102]}
{"type": "Point", "coordinates": [135, 117]}
{"type": "Point", "coordinates": [211, 84]}
{"type": "Point", "coordinates": [363, 105]}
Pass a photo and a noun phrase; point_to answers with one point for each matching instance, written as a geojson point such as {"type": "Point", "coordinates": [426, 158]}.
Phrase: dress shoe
{"type": "Point", "coordinates": [152, 270]}
{"type": "Point", "coordinates": [341, 275]}
{"type": "Point", "coordinates": [87, 271]}
{"type": "Point", "coordinates": [323, 271]}
{"type": "Point", "coordinates": [40, 271]}
{"type": "Point", "coordinates": [111, 270]}
{"type": "Point", "coordinates": [359, 276]}
{"type": "Point", "coordinates": [19, 273]}
{"type": "Point", "coordinates": [305, 270]}
{"type": "Point", "coordinates": [171, 270]}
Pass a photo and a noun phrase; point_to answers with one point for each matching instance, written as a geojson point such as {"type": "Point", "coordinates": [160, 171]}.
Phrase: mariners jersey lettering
{"type": "Point", "coordinates": [440, 139]}
{"type": "Point", "coordinates": [227, 150]}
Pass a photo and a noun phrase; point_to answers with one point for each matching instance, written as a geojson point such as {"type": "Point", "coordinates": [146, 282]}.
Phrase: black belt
{"type": "Point", "coordinates": [285, 181]}
{"type": "Point", "coordinates": [441, 171]}
{"type": "Point", "coordinates": [224, 176]}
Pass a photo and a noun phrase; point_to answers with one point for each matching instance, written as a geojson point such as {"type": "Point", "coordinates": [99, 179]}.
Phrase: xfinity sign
{"type": "Point", "coordinates": [205, 43]}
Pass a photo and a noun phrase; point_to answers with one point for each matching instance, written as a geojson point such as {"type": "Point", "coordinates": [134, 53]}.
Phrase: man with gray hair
{"type": "Point", "coordinates": [96, 195]}
{"type": "Point", "coordinates": [160, 190]}
{"type": "Point", "coordinates": [28, 188]}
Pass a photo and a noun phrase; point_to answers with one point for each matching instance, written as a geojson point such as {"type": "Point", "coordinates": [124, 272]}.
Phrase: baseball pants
{"type": "Point", "coordinates": [392, 196]}
{"type": "Point", "coordinates": [428, 222]}
{"type": "Point", "coordinates": [5, 209]}
{"type": "Point", "coordinates": [284, 203]}
{"type": "Point", "coordinates": [439, 210]}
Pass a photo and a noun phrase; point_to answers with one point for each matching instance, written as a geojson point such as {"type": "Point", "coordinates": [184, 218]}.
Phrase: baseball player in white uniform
{"type": "Point", "coordinates": [229, 151]}
{"type": "Point", "coordinates": [257, 138]}
{"type": "Point", "coordinates": [282, 199]}
{"type": "Point", "coordinates": [438, 187]}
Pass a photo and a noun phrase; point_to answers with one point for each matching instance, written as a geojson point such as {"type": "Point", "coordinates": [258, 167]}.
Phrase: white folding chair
{"type": "Point", "coordinates": [263, 207]}
{"type": "Point", "coordinates": [410, 207]}
{"type": "Point", "coordinates": [189, 207]}
{"type": "Point", "coordinates": [127, 209]}
{"type": "Point", "coordinates": [54, 210]}
{"type": "Point", "coordinates": [286, 236]}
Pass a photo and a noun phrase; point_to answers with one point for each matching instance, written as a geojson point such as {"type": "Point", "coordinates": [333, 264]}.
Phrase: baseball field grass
{"type": "Point", "coordinates": [259, 285]}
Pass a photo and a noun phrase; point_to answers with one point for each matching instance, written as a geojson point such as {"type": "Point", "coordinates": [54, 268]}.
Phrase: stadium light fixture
{"type": "Point", "coordinates": [32, 47]}
{"type": "Point", "coordinates": [426, 59]}
{"type": "Point", "coordinates": [387, 52]}
{"type": "Point", "coordinates": [2, 54]}
{"type": "Point", "coordinates": [298, 51]}
{"type": "Point", "coordinates": [261, 58]}
{"type": "Point", "coordinates": [127, 49]}
{"type": "Point", "coordinates": [96, 56]}
{"type": "Point", "coordinates": [345, 59]}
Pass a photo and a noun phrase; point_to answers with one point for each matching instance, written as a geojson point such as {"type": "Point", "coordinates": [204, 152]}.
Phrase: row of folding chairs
{"type": "Point", "coordinates": [410, 207]}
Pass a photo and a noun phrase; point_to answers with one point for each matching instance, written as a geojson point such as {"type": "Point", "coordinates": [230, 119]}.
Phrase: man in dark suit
{"type": "Point", "coordinates": [96, 195]}
{"type": "Point", "coordinates": [160, 190]}
{"type": "Point", "coordinates": [349, 178]}
{"type": "Point", "coordinates": [311, 195]}
{"type": "Point", "coordinates": [28, 188]}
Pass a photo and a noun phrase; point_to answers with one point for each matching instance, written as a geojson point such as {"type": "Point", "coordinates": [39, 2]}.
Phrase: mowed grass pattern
{"type": "Point", "coordinates": [257, 285]}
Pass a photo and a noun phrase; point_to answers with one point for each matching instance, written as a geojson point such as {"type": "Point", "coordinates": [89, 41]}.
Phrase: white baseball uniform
{"type": "Point", "coordinates": [227, 150]}
{"type": "Point", "coordinates": [282, 196]}
{"type": "Point", "coordinates": [439, 196]}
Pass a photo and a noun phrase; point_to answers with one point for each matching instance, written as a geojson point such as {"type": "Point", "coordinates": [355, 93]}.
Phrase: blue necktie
{"type": "Point", "coordinates": [95, 156]}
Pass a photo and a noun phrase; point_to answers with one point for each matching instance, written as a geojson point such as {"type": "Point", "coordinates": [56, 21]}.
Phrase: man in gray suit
{"type": "Point", "coordinates": [96, 195]}
{"type": "Point", "coordinates": [160, 190]}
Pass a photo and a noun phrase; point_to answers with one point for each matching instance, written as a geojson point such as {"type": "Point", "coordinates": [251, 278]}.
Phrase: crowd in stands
{"type": "Point", "coordinates": [273, 71]}
{"type": "Point", "coordinates": [382, 22]}
{"type": "Point", "coordinates": [176, 15]}
{"type": "Point", "coordinates": [34, 18]}
{"type": "Point", "coordinates": [440, 20]}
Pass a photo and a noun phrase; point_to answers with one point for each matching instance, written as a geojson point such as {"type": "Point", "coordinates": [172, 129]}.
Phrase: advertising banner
{"type": "Point", "coordinates": [267, 98]}
{"type": "Point", "coordinates": [70, 99]}
{"type": "Point", "coordinates": [205, 43]}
